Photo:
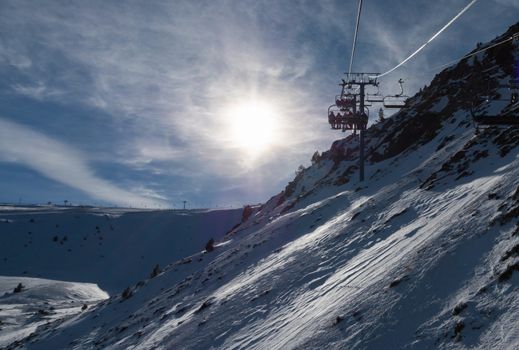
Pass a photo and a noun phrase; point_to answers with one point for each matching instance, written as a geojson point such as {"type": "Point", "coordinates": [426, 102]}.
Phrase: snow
{"type": "Point", "coordinates": [111, 247]}
{"type": "Point", "coordinates": [285, 283]}
{"type": "Point", "coordinates": [440, 105]}
{"type": "Point", "coordinates": [40, 302]}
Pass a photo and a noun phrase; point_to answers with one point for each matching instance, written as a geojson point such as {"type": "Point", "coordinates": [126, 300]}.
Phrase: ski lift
{"type": "Point", "coordinates": [345, 114]}
{"type": "Point", "coordinates": [376, 97]}
{"type": "Point", "coordinates": [334, 117]}
{"type": "Point", "coordinates": [398, 100]}
{"type": "Point", "coordinates": [348, 97]}
{"type": "Point", "coordinates": [509, 115]}
{"type": "Point", "coordinates": [353, 121]}
{"type": "Point", "coordinates": [347, 119]}
{"type": "Point", "coordinates": [350, 111]}
{"type": "Point", "coordinates": [345, 101]}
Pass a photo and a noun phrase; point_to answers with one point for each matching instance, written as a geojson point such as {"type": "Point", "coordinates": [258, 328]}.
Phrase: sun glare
{"type": "Point", "coordinates": [253, 126]}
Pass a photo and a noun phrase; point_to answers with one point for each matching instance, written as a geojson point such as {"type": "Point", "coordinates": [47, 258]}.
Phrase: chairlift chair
{"type": "Point", "coordinates": [376, 97]}
{"type": "Point", "coordinates": [353, 121]}
{"type": "Point", "coordinates": [398, 100]}
{"type": "Point", "coordinates": [394, 102]}
{"type": "Point", "coordinates": [345, 101]}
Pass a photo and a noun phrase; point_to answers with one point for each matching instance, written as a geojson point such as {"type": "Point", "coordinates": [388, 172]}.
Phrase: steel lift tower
{"type": "Point", "coordinates": [350, 111]}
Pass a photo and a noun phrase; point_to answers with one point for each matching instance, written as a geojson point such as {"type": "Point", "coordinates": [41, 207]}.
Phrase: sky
{"type": "Point", "coordinates": [217, 103]}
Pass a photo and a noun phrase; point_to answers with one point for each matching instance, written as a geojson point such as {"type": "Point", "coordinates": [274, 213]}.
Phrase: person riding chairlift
{"type": "Point", "coordinates": [334, 120]}
{"type": "Point", "coordinates": [346, 120]}
{"type": "Point", "coordinates": [331, 119]}
{"type": "Point", "coordinates": [337, 121]}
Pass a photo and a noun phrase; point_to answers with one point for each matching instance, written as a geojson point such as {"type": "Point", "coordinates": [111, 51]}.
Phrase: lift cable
{"type": "Point", "coordinates": [431, 39]}
{"type": "Point", "coordinates": [355, 37]}
{"type": "Point", "coordinates": [514, 36]}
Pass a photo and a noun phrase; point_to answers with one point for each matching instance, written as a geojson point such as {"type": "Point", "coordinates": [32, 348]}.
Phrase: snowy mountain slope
{"type": "Point", "coordinates": [39, 302]}
{"type": "Point", "coordinates": [111, 247]}
{"type": "Point", "coordinates": [274, 298]}
{"type": "Point", "coordinates": [423, 255]}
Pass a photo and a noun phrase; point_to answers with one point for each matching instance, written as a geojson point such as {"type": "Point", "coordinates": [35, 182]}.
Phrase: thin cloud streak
{"type": "Point", "coordinates": [38, 91]}
{"type": "Point", "coordinates": [61, 163]}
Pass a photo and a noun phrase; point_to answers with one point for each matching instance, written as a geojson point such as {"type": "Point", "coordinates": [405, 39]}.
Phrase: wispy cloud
{"type": "Point", "coordinates": [14, 58]}
{"type": "Point", "coordinates": [511, 3]}
{"type": "Point", "coordinates": [62, 163]}
{"type": "Point", "coordinates": [38, 91]}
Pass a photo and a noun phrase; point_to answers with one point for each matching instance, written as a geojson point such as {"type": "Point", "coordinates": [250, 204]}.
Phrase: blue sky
{"type": "Point", "coordinates": [137, 103]}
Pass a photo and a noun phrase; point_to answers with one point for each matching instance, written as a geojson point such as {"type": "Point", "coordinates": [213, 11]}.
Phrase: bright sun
{"type": "Point", "coordinates": [253, 126]}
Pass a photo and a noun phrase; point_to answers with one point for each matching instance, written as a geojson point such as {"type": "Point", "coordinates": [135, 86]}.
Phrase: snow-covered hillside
{"type": "Point", "coordinates": [27, 303]}
{"type": "Point", "coordinates": [111, 247]}
{"type": "Point", "coordinates": [424, 254]}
